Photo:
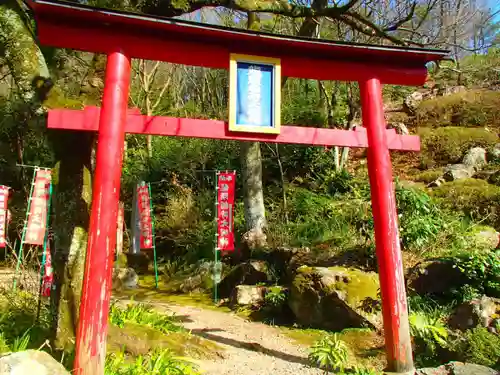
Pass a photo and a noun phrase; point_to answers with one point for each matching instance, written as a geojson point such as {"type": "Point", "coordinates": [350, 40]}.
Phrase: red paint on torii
{"type": "Point", "coordinates": [123, 36]}
{"type": "Point", "coordinates": [88, 120]}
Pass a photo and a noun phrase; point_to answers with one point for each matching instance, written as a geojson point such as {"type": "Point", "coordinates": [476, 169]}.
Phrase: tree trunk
{"type": "Point", "coordinates": [253, 195]}
{"type": "Point", "coordinates": [72, 181]}
{"type": "Point", "coordinates": [24, 58]}
{"type": "Point", "coordinates": [72, 200]}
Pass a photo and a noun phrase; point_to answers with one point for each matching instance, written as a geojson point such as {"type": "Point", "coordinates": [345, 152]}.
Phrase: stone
{"type": "Point", "coordinates": [435, 277]}
{"type": "Point", "coordinates": [249, 273]}
{"type": "Point", "coordinates": [30, 362]}
{"type": "Point", "coordinates": [458, 172]}
{"type": "Point", "coordinates": [437, 183]}
{"type": "Point", "coordinates": [475, 157]}
{"type": "Point", "coordinates": [486, 237]}
{"type": "Point", "coordinates": [480, 311]}
{"type": "Point", "coordinates": [412, 101]}
{"type": "Point", "coordinates": [247, 295]}
{"type": "Point", "coordinates": [125, 278]}
{"type": "Point", "coordinates": [458, 368]}
{"type": "Point", "coordinates": [399, 127]}
{"type": "Point", "coordinates": [453, 90]}
{"type": "Point", "coordinates": [335, 298]}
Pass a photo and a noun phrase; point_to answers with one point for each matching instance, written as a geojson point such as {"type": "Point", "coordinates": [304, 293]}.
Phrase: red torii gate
{"type": "Point", "coordinates": [123, 36]}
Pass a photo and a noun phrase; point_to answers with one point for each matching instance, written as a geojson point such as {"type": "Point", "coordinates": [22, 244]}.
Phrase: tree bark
{"type": "Point", "coordinates": [72, 179]}
{"type": "Point", "coordinates": [24, 58]}
{"type": "Point", "coordinates": [253, 195]}
{"type": "Point", "coordinates": [72, 200]}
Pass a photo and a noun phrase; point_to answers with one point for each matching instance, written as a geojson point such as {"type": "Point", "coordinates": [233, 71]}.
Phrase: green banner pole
{"type": "Point", "coordinates": [20, 255]}
{"type": "Point", "coordinates": [153, 234]}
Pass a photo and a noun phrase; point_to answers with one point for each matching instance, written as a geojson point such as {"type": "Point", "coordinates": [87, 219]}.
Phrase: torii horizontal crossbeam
{"type": "Point", "coordinates": [88, 120]}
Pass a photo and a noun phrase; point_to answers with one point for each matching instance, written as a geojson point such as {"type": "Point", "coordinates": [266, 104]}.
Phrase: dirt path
{"type": "Point", "coordinates": [250, 348]}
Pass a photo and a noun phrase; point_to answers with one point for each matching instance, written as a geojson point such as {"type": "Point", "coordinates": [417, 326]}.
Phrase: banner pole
{"type": "Point", "coordinates": [153, 233]}
{"type": "Point", "coordinates": [216, 286]}
{"type": "Point", "coordinates": [20, 255]}
{"type": "Point", "coordinates": [44, 256]}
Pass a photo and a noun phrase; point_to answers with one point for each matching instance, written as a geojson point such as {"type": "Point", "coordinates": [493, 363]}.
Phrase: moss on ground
{"type": "Point", "coordinates": [138, 339]}
{"type": "Point", "coordinates": [474, 108]}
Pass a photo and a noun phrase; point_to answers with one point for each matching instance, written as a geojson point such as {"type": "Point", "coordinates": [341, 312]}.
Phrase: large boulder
{"type": "Point", "coordinates": [486, 238]}
{"type": "Point", "coordinates": [456, 172]}
{"type": "Point", "coordinates": [30, 362]}
{"type": "Point", "coordinates": [435, 277]}
{"type": "Point", "coordinates": [458, 368]}
{"type": "Point", "coordinates": [482, 311]}
{"type": "Point", "coordinates": [247, 295]}
{"type": "Point", "coordinates": [249, 273]}
{"type": "Point", "coordinates": [412, 101]}
{"type": "Point", "coordinates": [335, 298]}
{"type": "Point", "coordinates": [476, 158]}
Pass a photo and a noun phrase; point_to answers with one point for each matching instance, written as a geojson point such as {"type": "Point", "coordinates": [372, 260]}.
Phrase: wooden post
{"type": "Point", "coordinates": [390, 265]}
{"type": "Point", "coordinates": [96, 291]}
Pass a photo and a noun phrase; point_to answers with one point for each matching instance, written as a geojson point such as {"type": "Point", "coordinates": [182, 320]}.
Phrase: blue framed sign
{"type": "Point", "coordinates": [254, 94]}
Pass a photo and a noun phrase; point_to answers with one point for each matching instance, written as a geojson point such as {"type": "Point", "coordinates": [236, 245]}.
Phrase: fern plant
{"type": "Point", "coordinates": [329, 353]}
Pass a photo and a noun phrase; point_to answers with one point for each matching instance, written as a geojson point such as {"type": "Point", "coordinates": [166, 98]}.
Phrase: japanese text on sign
{"type": "Point", "coordinates": [145, 223]}
{"type": "Point", "coordinates": [37, 220]}
{"type": "Point", "coordinates": [4, 196]}
{"type": "Point", "coordinates": [225, 209]}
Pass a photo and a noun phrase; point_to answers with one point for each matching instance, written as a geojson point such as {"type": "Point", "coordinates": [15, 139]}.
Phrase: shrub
{"type": "Point", "coordinates": [429, 334]}
{"type": "Point", "coordinates": [476, 198]}
{"type": "Point", "coordinates": [475, 108]}
{"type": "Point", "coordinates": [483, 271]}
{"type": "Point", "coordinates": [159, 362]}
{"type": "Point", "coordinates": [428, 176]}
{"type": "Point", "coordinates": [482, 347]}
{"type": "Point", "coordinates": [329, 353]}
{"type": "Point", "coordinates": [449, 144]}
{"type": "Point", "coordinates": [420, 219]}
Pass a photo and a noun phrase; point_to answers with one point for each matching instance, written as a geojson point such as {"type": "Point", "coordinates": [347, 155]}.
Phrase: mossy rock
{"type": "Point", "coordinates": [476, 198]}
{"type": "Point", "coordinates": [448, 145]}
{"type": "Point", "coordinates": [335, 298]}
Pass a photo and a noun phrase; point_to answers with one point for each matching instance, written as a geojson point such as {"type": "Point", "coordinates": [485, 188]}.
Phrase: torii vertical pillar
{"type": "Point", "coordinates": [96, 291]}
{"type": "Point", "coordinates": [392, 286]}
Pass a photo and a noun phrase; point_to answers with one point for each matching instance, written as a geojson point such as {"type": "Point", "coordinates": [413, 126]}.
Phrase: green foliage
{"type": "Point", "coordinates": [275, 297]}
{"type": "Point", "coordinates": [482, 347]}
{"type": "Point", "coordinates": [447, 145]}
{"type": "Point", "coordinates": [420, 220]}
{"type": "Point", "coordinates": [329, 353]}
{"type": "Point", "coordinates": [18, 324]}
{"type": "Point", "coordinates": [142, 314]}
{"type": "Point", "coordinates": [429, 334]}
{"type": "Point", "coordinates": [159, 362]}
{"type": "Point", "coordinates": [476, 198]}
{"type": "Point", "coordinates": [482, 268]}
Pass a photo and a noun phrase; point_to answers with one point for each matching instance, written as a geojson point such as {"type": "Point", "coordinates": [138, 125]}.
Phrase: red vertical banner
{"type": "Point", "coordinates": [48, 275]}
{"type": "Point", "coordinates": [37, 220]}
{"type": "Point", "coordinates": [226, 186]}
{"type": "Point", "coordinates": [119, 231]}
{"type": "Point", "coordinates": [4, 197]}
{"type": "Point", "coordinates": [145, 223]}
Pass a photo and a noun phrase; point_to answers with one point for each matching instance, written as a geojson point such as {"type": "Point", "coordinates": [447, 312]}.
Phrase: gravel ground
{"type": "Point", "coordinates": [250, 348]}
